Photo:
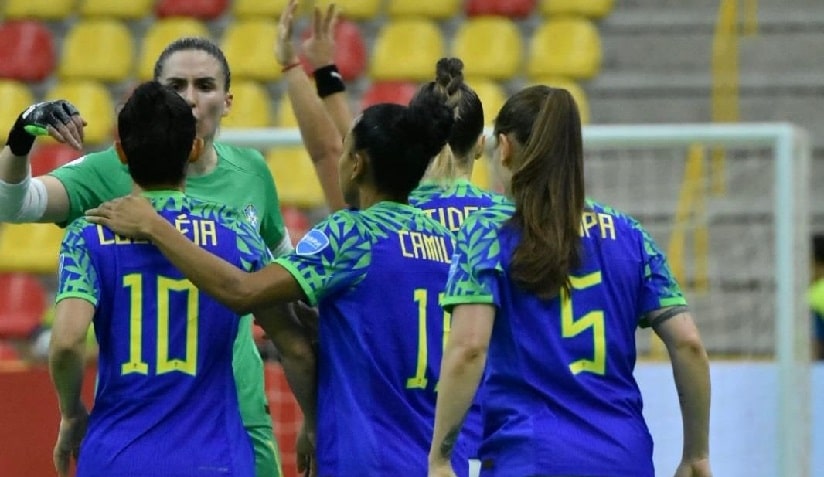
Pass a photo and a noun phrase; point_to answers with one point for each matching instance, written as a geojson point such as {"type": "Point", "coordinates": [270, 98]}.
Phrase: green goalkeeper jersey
{"type": "Point", "coordinates": [241, 180]}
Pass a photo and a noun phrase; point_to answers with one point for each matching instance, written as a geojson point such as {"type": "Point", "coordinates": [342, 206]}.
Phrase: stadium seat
{"type": "Point", "coordinates": [15, 97]}
{"type": "Point", "coordinates": [8, 352]}
{"type": "Point", "coordinates": [388, 92]}
{"type": "Point", "coordinates": [492, 97]}
{"type": "Point", "coordinates": [587, 8]}
{"type": "Point", "coordinates": [509, 8]}
{"type": "Point", "coordinates": [436, 9]}
{"type": "Point", "coordinates": [30, 248]}
{"type": "Point", "coordinates": [481, 174]}
{"type": "Point", "coordinates": [296, 222]}
{"type": "Point", "coordinates": [295, 177]}
{"type": "Point", "coordinates": [27, 51]}
{"type": "Point", "coordinates": [95, 104]}
{"type": "Point", "coordinates": [248, 46]}
{"type": "Point", "coordinates": [98, 49]}
{"type": "Point", "coordinates": [159, 35]}
{"type": "Point", "coordinates": [395, 59]}
{"type": "Point", "coordinates": [359, 9]}
{"type": "Point", "coordinates": [575, 89]}
{"type": "Point", "coordinates": [48, 157]}
{"type": "Point", "coordinates": [350, 53]}
{"type": "Point", "coordinates": [568, 47]}
{"type": "Point", "coordinates": [132, 10]}
{"type": "Point", "coordinates": [251, 107]}
{"type": "Point", "coordinates": [22, 304]}
{"type": "Point", "coordinates": [489, 47]}
{"type": "Point", "coordinates": [202, 9]}
{"type": "Point", "coordinates": [248, 9]}
{"type": "Point", "coordinates": [39, 9]}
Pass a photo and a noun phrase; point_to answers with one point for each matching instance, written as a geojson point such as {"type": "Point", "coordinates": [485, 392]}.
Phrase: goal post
{"type": "Point", "coordinates": [746, 270]}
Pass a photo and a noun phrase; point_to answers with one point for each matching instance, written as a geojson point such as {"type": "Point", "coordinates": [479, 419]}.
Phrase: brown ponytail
{"type": "Point", "coordinates": [547, 186]}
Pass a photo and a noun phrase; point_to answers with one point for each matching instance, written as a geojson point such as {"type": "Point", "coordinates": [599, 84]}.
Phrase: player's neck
{"type": "Point", "coordinates": [368, 196]}
{"type": "Point", "coordinates": [206, 163]}
{"type": "Point", "coordinates": [137, 189]}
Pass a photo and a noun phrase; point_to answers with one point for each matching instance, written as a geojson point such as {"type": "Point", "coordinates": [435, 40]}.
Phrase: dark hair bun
{"type": "Point", "coordinates": [449, 74]}
{"type": "Point", "coordinates": [428, 122]}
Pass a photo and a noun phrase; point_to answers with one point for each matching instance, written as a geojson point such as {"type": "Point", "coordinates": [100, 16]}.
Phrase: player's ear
{"type": "Point", "coordinates": [479, 146]}
{"type": "Point", "coordinates": [506, 149]}
{"type": "Point", "coordinates": [358, 166]}
{"type": "Point", "coordinates": [227, 103]}
{"type": "Point", "coordinates": [120, 152]}
{"type": "Point", "coordinates": [197, 148]}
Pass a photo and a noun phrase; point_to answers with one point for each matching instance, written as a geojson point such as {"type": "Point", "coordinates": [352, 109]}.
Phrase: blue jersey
{"type": "Point", "coordinates": [560, 396]}
{"type": "Point", "coordinates": [166, 401]}
{"type": "Point", "coordinates": [450, 204]}
{"type": "Point", "coordinates": [376, 276]}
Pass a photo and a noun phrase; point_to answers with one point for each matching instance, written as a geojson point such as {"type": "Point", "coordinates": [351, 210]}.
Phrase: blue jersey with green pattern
{"type": "Point", "coordinates": [376, 275]}
{"type": "Point", "coordinates": [560, 396]}
{"type": "Point", "coordinates": [166, 401]}
{"type": "Point", "coordinates": [451, 203]}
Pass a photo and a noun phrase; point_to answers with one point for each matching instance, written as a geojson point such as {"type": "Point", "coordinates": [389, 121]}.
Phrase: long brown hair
{"type": "Point", "coordinates": [547, 185]}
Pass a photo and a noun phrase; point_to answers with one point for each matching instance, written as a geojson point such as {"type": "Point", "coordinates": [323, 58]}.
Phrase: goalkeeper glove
{"type": "Point", "coordinates": [35, 120]}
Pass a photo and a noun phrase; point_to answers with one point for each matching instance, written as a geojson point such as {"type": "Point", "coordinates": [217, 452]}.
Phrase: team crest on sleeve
{"type": "Point", "coordinates": [251, 215]}
{"type": "Point", "coordinates": [312, 243]}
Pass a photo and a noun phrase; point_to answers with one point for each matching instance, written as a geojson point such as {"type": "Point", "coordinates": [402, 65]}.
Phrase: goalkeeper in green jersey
{"type": "Point", "coordinates": [197, 69]}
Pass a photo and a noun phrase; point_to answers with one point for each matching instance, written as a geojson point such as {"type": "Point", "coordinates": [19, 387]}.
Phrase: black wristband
{"type": "Point", "coordinates": [19, 141]}
{"type": "Point", "coordinates": [328, 81]}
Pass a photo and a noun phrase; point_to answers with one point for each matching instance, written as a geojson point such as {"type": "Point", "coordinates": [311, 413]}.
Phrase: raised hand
{"type": "Point", "coordinates": [319, 48]}
{"type": "Point", "coordinates": [284, 49]}
{"type": "Point", "coordinates": [58, 119]}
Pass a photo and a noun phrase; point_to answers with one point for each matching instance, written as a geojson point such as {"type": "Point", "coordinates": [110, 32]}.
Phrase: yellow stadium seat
{"type": "Point", "coordinates": [587, 8]}
{"type": "Point", "coordinates": [99, 49]}
{"type": "Point", "coordinates": [160, 34]}
{"type": "Point", "coordinates": [489, 47]}
{"type": "Point", "coordinates": [251, 107]}
{"type": "Point", "coordinates": [14, 98]}
{"type": "Point", "coordinates": [574, 89]}
{"type": "Point", "coordinates": [359, 9]}
{"type": "Point", "coordinates": [39, 9]}
{"type": "Point", "coordinates": [295, 177]}
{"type": "Point", "coordinates": [492, 97]}
{"type": "Point", "coordinates": [248, 46]}
{"type": "Point", "coordinates": [567, 47]}
{"type": "Point", "coordinates": [481, 175]}
{"type": "Point", "coordinates": [395, 57]}
{"type": "Point", "coordinates": [131, 9]}
{"type": "Point", "coordinates": [243, 9]}
{"type": "Point", "coordinates": [31, 248]}
{"type": "Point", "coordinates": [438, 9]}
{"type": "Point", "coordinates": [95, 105]}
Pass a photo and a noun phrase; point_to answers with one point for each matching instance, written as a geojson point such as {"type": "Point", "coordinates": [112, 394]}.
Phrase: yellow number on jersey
{"type": "Point", "coordinates": [419, 381]}
{"type": "Point", "coordinates": [570, 327]}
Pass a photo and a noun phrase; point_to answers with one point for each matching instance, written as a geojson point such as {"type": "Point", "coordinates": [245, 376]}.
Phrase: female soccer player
{"type": "Point", "coordinates": [375, 273]}
{"type": "Point", "coordinates": [552, 289]}
{"type": "Point", "coordinates": [197, 69]}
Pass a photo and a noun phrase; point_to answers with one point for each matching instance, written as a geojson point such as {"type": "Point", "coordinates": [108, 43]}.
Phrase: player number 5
{"type": "Point", "coordinates": [570, 327]}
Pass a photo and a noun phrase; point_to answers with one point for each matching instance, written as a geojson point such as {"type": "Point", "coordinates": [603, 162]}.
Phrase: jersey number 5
{"type": "Point", "coordinates": [165, 286]}
{"type": "Point", "coordinates": [421, 297]}
{"type": "Point", "coordinates": [570, 327]}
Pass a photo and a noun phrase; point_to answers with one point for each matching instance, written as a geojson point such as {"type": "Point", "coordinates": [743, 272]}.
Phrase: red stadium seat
{"type": "Point", "coordinates": [22, 304]}
{"type": "Point", "coordinates": [48, 157]}
{"type": "Point", "coordinates": [202, 9]}
{"type": "Point", "coordinates": [509, 8]}
{"type": "Point", "coordinates": [388, 92]}
{"type": "Point", "coordinates": [8, 352]}
{"type": "Point", "coordinates": [26, 51]}
{"type": "Point", "coordinates": [350, 54]}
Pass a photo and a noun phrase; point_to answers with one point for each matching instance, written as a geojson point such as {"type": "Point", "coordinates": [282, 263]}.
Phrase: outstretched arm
{"type": "Point", "coordinates": [322, 141]}
{"type": "Point", "coordinates": [133, 216]}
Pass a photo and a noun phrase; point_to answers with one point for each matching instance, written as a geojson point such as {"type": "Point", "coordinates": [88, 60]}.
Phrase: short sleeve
{"type": "Point", "coordinates": [91, 180]}
{"type": "Point", "coordinates": [660, 289]}
{"type": "Point", "coordinates": [476, 265]}
{"type": "Point", "coordinates": [332, 257]}
{"type": "Point", "coordinates": [254, 255]}
{"type": "Point", "coordinates": [77, 277]}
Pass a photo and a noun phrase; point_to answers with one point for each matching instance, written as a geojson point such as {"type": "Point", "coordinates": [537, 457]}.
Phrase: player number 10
{"type": "Point", "coordinates": [570, 327]}
{"type": "Point", "coordinates": [165, 286]}
{"type": "Point", "coordinates": [421, 297]}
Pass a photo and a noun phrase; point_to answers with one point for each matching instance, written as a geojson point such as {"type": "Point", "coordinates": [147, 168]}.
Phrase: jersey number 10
{"type": "Point", "coordinates": [164, 286]}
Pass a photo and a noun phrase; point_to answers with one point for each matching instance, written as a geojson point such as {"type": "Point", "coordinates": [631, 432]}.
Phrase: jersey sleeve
{"type": "Point", "coordinates": [254, 254]}
{"type": "Point", "coordinates": [660, 289]}
{"type": "Point", "coordinates": [476, 265]}
{"type": "Point", "coordinates": [274, 232]}
{"type": "Point", "coordinates": [91, 180]}
{"type": "Point", "coordinates": [331, 257]}
{"type": "Point", "coordinates": [77, 277]}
